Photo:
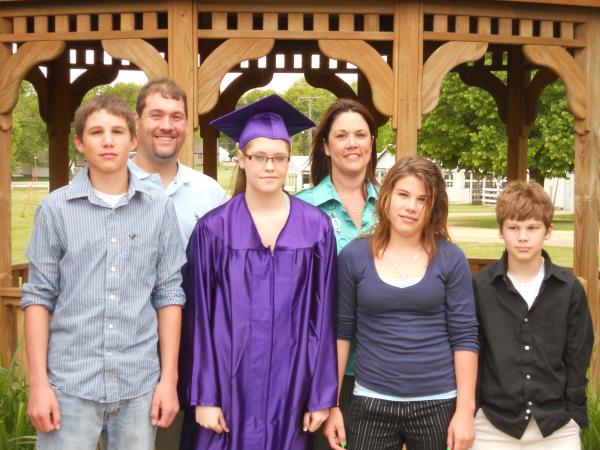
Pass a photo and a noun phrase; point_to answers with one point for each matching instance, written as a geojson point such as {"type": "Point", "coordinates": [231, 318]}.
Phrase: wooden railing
{"type": "Point", "coordinates": [11, 326]}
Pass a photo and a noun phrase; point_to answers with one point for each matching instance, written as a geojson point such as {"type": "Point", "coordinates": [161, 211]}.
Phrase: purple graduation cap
{"type": "Point", "coordinates": [270, 117]}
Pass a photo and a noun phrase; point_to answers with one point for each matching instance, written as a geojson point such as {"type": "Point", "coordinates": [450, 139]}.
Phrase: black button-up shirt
{"type": "Point", "coordinates": [532, 361]}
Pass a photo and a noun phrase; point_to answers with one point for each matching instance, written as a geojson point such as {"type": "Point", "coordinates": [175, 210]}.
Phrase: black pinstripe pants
{"type": "Point", "coordinates": [374, 424]}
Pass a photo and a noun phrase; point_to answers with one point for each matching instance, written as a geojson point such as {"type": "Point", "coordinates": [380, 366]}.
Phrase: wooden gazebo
{"type": "Point", "coordinates": [400, 49]}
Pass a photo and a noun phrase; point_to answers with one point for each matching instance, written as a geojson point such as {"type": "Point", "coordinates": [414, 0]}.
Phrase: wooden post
{"type": "Point", "coordinates": [59, 121]}
{"type": "Point", "coordinates": [5, 199]}
{"type": "Point", "coordinates": [587, 159]}
{"type": "Point", "coordinates": [408, 67]}
{"type": "Point", "coordinates": [5, 190]}
{"type": "Point", "coordinates": [210, 149]}
{"type": "Point", "coordinates": [183, 51]}
{"type": "Point", "coordinates": [517, 128]}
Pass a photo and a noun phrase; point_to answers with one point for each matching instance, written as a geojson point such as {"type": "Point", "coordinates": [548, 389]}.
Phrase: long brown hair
{"type": "Point", "coordinates": [320, 163]}
{"type": "Point", "coordinates": [435, 209]}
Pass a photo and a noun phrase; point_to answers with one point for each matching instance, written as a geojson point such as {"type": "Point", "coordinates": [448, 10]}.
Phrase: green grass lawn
{"type": "Point", "coordinates": [22, 219]}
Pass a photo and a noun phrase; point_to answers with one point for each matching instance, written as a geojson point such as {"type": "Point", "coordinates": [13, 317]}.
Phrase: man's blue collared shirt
{"type": "Point", "coordinates": [102, 273]}
{"type": "Point", "coordinates": [192, 192]}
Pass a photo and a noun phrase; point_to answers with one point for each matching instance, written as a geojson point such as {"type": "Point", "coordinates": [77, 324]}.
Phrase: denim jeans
{"type": "Point", "coordinates": [124, 425]}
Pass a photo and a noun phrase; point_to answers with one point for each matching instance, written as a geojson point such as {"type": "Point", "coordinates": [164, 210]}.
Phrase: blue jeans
{"type": "Point", "coordinates": [124, 425]}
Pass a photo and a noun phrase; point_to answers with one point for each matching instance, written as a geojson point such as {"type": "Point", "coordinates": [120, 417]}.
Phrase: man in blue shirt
{"type": "Point", "coordinates": [104, 286]}
{"type": "Point", "coordinates": [162, 126]}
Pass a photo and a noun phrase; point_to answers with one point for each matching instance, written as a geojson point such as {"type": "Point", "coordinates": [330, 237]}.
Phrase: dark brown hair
{"type": "Point", "coordinates": [521, 200]}
{"type": "Point", "coordinates": [165, 87]}
{"type": "Point", "coordinates": [320, 163]}
{"type": "Point", "coordinates": [435, 209]}
{"type": "Point", "coordinates": [110, 104]}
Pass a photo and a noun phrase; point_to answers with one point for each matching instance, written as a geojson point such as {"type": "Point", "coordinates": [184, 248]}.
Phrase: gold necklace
{"type": "Point", "coordinates": [404, 273]}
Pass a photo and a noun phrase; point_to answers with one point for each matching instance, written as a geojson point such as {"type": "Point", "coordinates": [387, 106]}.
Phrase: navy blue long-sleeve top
{"type": "Point", "coordinates": [406, 336]}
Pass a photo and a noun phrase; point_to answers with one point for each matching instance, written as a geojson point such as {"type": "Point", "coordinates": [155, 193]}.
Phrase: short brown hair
{"type": "Point", "coordinates": [435, 210]}
{"type": "Point", "coordinates": [110, 104]}
{"type": "Point", "coordinates": [521, 200]}
{"type": "Point", "coordinates": [165, 87]}
{"type": "Point", "coordinates": [320, 163]}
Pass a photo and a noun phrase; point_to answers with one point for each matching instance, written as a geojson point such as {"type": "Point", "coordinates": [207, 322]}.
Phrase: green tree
{"type": "Point", "coordinates": [30, 135]}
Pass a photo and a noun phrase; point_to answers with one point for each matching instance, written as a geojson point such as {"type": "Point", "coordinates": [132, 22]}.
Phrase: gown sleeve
{"type": "Point", "coordinates": [198, 374]}
{"type": "Point", "coordinates": [323, 391]}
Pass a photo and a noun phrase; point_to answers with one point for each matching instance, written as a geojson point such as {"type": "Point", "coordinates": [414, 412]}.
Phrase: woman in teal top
{"type": "Point", "coordinates": [342, 172]}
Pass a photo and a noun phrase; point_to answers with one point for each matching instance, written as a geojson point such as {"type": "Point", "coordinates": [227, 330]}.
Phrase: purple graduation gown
{"type": "Point", "coordinates": [258, 335]}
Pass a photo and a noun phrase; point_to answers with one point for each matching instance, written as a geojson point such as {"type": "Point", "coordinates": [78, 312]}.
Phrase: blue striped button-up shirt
{"type": "Point", "coordinates": [102, 272]}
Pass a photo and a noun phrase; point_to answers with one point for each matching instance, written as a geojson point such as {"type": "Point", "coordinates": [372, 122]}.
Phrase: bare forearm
{"type": "Point", "coordinates": [465, 366]}
{"type": "Point", "coordinates": [343, 350]}
{"type": "Point", "coordinates": [169, 334]}
{"type": "Point", "coordinates": [37, 324]}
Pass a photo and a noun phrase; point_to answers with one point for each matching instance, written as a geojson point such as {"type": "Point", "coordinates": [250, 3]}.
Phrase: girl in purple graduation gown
{"type": "Point", "coordinates": [258, 353]}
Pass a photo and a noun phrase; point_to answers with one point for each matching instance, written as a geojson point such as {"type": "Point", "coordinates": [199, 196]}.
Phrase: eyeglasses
{"type": "Point", "coordinates": [261, 159]}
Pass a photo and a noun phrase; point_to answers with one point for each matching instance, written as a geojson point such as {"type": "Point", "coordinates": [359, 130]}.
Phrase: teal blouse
{"type": "Point", "coordinates": [325, 197]}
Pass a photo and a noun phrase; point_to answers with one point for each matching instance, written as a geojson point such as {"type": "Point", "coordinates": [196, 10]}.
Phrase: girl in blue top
{"type": "Point", "coordinates": [405, 296]}
{"type": "Point", "coordinates": [343, 164]}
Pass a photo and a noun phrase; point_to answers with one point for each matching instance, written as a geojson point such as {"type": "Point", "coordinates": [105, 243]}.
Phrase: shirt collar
{"type": "Point", "coordinates": [183, 175]}
{"type": "Point", "coordinates": [325, 191]}
{"type": "Point", "coordinates": [549, 269]}
{"type": "Point", "coordinates": [82, 187]}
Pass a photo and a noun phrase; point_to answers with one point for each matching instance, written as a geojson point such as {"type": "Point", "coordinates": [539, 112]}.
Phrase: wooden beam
{"type": "Point", "coordinates": [407, 64]}
{"type": "Point", "coordinates": [587, 166]}
{"type": "Point", "coordinates": [183, 65]}
{"type": "Point", "coordinates": [139, 52]}
{"type": "Point", "coordinates": [5, 196]}
{"type": "Point", "coordinates": [517, 129]}
{"type": "Point", "coordinates": [60, 120]}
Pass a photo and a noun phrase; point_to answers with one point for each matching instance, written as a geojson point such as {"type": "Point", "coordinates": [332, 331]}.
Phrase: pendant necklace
{"type": "Point", "coordinates": [404, 273]}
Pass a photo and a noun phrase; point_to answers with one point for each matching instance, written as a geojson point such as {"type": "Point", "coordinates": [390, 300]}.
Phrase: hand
{"type": "Point", "coordinates": [43, 409]}
{"type": "Point", "coordinates": [461, 431]}
{"type": "Point", "coordinates": [334, 429]}
{"type": "Point", "coordinates": [313, 419]}
{"type": "Point", "coordinates": [165, 404]}
{"type": "Point", "coordinates": [211, 417]}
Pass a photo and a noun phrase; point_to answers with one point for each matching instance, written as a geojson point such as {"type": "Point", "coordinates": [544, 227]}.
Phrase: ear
{"type": "Point", "coordinates": [548, 232]}
{"type": "Point", "coordinates": [241, 159]}
{"type": "Point", "coordinates": [78, 144]}
{"type": "Point", "coordinates": [500, 234]}
{"type": "Point", "coordinates": [326, 148]}
{"type": "Point", "coordinates": [134, 142]}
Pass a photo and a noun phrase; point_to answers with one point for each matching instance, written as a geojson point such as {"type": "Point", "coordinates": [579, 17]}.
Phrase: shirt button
{"type": "Point", "coordinates": [526, 347]}
{"type": "Point", "coordinates": [112, 297]}
{"type": "Point", "coordinates": [528, 376]}
{"type": "Point", "coordinates": [113, 269]}
{"type": "Point", "coordinates": [109, 354]}
{"type": "Point", "coordinates": [526, 417]}
{"type": "Point", "coordinates": [530, 403]}
{"type": "Point", "coordinates": [113, 240]}
{"type": "Point", "coordinates": [110, 326]}
{"type": "Point", "coordinates": [526, 319]}
{"type": "Point", "coordinates": [528, 411]}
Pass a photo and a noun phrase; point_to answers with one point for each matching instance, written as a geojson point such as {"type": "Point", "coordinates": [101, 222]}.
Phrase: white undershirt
{"type": "Point", "coordinates": [111, 199]}
{"type": "Point", "coordinates": [529, 290]}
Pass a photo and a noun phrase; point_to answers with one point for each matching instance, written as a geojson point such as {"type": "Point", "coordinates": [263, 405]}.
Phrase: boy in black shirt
{"type": "Point", "coordinates": [536, 335]}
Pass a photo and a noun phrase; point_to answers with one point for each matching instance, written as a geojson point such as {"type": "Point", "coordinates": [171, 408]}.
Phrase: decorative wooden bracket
{"type": "Point", "coordinates": [542, 78]}
{"type": "Point", "coordinates": [489, 83]}
{"type": "Point", "coordinates": [560, 61]}
{"type": "Point", "coordinates": [18, 65]}
{"type": "Point", "coordinates": [139, 52]}
{"type": "Point", "coordinates": [442, 61]}
{"type": "Point", "coordinates": [370, 63]}
{"type": "Point", "coordinates": [224, 58]}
